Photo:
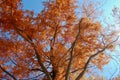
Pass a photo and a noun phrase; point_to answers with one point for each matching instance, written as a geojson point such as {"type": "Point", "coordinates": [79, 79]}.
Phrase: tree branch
{"type": "Point", "coordinates": [12, 76]}
{"type": "Point", "coordinates": [79, 69]}
{"type": "Point", "coordinates": [91, 57]}
{"type": "Point", "coordinates": [72, 50]}
{"type": "Point", "coordinates": [29, 40]}
{"type": "Point", "coordinates": [36, 69]}
{"type": "Point", "coordinates": [54, 36]}
{"type": "Point", "coordinates": [12, 61]}
{"type": "Point", "coordinates": [33, 78]}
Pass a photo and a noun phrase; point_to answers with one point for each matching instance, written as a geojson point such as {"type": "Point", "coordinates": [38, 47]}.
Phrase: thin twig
{"type": "Point", "coordinates": [12, 76]}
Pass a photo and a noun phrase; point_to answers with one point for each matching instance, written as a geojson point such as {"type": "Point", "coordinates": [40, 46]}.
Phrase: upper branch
{"type": "Point", "coordinates": [29, 40]}
{"type": "Point", "coordinates": [72, 50]}
{"type": "Point", "coordinates": [91, 57]}
{"type": "Point", "coordinates": [36, 51]}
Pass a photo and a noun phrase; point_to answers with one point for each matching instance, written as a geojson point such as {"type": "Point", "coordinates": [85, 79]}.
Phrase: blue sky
{"type": "Point", "coordinates": [36, 5]}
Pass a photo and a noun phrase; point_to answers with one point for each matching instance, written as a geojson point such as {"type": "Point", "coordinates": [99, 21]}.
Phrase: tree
{"type": "Point", "coordinates": [54, 45]}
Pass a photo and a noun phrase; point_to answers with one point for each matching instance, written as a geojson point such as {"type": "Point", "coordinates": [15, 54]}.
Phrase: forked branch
{"type": "Point", "coordinates": [29, 40]}
{"type": "Point", "coordinates": [72, 50]}
{"type": "Point", "coordinates": [91, 57]}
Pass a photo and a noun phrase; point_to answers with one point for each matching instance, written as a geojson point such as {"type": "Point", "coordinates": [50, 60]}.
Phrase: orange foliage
{"type": "Point", "coordinates": [30, 46]}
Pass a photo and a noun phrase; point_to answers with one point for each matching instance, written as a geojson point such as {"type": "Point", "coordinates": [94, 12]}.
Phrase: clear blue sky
{"type": "Point", "coordinates": [36, 5]}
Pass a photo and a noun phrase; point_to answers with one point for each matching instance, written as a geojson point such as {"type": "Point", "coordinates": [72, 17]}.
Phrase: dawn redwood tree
{"type": "Point", "coordinates": [54, 45]}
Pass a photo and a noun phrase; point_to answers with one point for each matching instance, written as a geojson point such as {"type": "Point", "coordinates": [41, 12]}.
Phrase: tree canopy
{"type": "Point", "coordinates": [55, 44]}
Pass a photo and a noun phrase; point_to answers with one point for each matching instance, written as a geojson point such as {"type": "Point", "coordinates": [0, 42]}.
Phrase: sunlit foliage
{"type": "Point", "coordinates": [53, 45]}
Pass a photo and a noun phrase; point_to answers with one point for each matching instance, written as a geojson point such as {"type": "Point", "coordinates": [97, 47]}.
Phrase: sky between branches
{"type": "Point", "coordinates": [108, 5]}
